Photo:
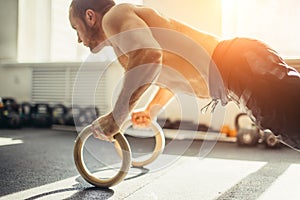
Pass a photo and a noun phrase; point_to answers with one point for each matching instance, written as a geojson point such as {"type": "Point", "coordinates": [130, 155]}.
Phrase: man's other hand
{"type": "Point", "coordinates": [141, 119]}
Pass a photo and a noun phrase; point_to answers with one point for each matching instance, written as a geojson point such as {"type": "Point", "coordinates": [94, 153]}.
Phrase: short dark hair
{"type": "Point", "coordinates": [79, 7]}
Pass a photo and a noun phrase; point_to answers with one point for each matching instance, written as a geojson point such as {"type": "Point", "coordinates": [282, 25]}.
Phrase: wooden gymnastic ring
{"type": "Point", "coordinates": [159, 143]}
{"type": "Point", "coordinates": [83, 170]}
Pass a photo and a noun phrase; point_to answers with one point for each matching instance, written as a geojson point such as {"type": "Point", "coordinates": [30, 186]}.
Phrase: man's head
{"type": "Point", "coordinates": [79, 7]}
{"type": "Point", "coordinates": [85, 17]}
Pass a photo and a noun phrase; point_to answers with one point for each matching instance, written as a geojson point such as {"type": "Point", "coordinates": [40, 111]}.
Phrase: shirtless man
{"type": "Point", "coordinates": [242, 70]}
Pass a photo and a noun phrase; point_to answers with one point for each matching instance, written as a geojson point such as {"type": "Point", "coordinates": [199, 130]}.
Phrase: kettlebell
{"type": "Point", "coordinates": [26, 114]}
{"type": "Point", "coordinates": [74, 116]}
{"type": "Point", "coordinates": [42, 115]}
{"type": "Point", "coordinates": [246, 136]}
{"type": "Point", "coordinates": [59, 112]}
{"type": "Point", "coordinates": [10, 113]}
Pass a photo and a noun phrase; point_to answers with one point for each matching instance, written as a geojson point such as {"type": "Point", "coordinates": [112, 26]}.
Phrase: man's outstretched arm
{"type": "Point", "coordinates": [131, 36]}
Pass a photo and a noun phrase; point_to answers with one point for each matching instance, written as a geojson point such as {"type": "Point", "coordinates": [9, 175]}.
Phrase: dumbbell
{"type": "Point", "coordinates": [271, 140]}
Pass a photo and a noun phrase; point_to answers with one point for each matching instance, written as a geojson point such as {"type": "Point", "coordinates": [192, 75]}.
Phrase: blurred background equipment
{"type": "Point", "coordinates": [247, 133]}
{"type": "Point", "coordinates": [25, 111]}
{"type": "Point", "coordinates": [59, 112]}
{"type": "Point", "coordinates": [73, 114]}
{"type": "Point", "coordinates": [10, 113]}
{"type": "Point", "coordinates": [271, 140]}
{"type": "Point", "coordinates": [42, 115]}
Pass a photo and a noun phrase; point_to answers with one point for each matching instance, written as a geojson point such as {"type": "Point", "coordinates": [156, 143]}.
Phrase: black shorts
{"type": "Point", "coordinates": [258, 79]}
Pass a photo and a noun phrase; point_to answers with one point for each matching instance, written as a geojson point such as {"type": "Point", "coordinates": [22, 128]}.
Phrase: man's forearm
{"type": "Point", "coordinates": [159, 101]}
{"type": "Point", "coordinates": [137, 81]}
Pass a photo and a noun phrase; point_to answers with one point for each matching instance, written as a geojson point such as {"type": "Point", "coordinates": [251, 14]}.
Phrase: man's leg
{"type": "Point", "coordinates": [259, 80]}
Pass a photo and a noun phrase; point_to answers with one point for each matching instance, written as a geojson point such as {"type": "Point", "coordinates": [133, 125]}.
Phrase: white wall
{"type": "Point", "coordinates": [8, 31]}
{"type": "Point", "coordinates": [275, 22]}
{"type": "Point", "coordinates": [15, 81]}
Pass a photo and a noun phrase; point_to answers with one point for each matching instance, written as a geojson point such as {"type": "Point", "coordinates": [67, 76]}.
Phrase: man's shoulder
{"type": "Point", "coordinates": [123, 9]}
{"type": "Point", "coordinates": [118, 12]}
{"type": "Point", "coordinates": [120, 9]}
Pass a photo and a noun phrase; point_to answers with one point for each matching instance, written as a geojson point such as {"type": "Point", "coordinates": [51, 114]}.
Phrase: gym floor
{"type": "Point", "coordinates": [38, 164]}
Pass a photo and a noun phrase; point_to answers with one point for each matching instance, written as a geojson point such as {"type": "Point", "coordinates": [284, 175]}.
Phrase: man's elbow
{"type": "Point", "coordinates": [154, 55]}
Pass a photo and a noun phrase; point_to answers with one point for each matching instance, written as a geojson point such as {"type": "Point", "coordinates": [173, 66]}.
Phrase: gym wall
{"type": "Point", "coordinates": [9, 29]}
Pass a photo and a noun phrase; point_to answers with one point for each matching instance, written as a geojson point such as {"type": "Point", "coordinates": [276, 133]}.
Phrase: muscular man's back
{"type": "Point", "coordinates": [178, 63]}
{"type": "Point", "coordinates": [154, 19]}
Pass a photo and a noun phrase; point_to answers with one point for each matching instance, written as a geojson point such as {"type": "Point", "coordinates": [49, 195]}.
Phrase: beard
{"type": "Point", "coordinates": [95, 37]}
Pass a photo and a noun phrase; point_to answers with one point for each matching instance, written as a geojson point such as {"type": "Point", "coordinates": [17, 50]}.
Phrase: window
{"type": "Point", "coordinates": [45, 34]}
{"type": "Point", "coordinates": [275, 22]}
